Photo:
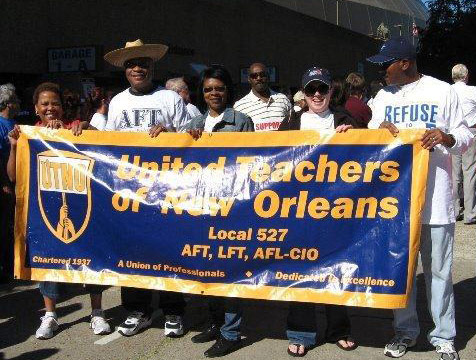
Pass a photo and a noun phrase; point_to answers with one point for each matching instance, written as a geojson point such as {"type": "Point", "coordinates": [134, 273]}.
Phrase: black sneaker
{"type": "Point", "coordinates": [211, 333]}
{"type": "Point", "coordinates": [222, 347]}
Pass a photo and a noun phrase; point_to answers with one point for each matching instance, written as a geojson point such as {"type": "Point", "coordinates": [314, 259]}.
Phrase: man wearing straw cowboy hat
{"type": "Point", "coordinates": [144, 107]}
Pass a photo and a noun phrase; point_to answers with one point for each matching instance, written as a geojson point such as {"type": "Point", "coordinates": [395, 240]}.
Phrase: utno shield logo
{"type": "Point", "coordinates": [64, 192]}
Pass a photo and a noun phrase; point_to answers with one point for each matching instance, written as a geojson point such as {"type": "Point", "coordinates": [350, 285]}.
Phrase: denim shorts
{"type": "Point", "coordinates": [54, 290]}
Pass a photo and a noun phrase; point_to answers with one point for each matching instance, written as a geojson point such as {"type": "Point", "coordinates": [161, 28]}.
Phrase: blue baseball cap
{"type": "Point", "coordinates": [316, 74]}
{"type": "Point", "coordinates": [394, 49]}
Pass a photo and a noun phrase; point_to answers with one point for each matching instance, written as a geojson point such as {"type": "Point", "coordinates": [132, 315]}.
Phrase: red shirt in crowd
{"type": "Point", "coordinates": [68, 124]}
{"type": "Point", "coordinates": [359, 110]}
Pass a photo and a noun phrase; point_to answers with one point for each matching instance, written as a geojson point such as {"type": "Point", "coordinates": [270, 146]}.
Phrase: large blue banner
{"type": "Point", "coordinates": [302, 216]}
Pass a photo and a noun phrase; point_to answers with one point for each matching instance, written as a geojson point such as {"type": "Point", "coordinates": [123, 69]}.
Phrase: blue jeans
{"type": "Point", "coordinates": [302, 323]}
{"type": "Point", "coordinates": [230, 330]}
{"type": "Point", "coordinates": [305, 338]}
{"type": "Point", "coordinates": [53, 290]}
{"type": "Point", "coordinates": [436, 251]}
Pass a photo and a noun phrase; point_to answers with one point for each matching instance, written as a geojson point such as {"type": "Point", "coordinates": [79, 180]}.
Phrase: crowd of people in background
{"type": "Point", "coordinates": [323, 102]}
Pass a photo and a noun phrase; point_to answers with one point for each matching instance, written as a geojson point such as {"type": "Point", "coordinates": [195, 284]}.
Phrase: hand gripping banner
{"type": "Point", "coordinates": [299, 216]}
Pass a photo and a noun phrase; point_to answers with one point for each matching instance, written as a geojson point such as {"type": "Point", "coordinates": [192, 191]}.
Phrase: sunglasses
{"type": "Point", "coordinates": [261, 74]}
{"type": "Point", "coordinates": [311, 90]}
{"type": "Point", "coordinates": [142, 63]}
{"type": "Point", "coordinates": [220, 89]}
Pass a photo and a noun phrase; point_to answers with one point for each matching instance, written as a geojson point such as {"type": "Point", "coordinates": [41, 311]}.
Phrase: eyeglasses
{"type": "Point", "coordinates": [220, 89]}
{"type": "Point", "coordinates": [262, 74]}
{"type": "Point", "coordinates": [311, 90]}
{"type": "Point", "coordinates": [142, 63]}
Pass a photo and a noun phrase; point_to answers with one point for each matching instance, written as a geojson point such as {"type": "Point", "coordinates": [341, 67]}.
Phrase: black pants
{"type": "Point", "coordinates": [134, 299]}
{"type": "Point", "coordinates": [302, 317]}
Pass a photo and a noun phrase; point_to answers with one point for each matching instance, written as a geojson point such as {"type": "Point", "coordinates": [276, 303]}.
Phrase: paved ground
{"type": "Point", "coordinates": [264, 324]}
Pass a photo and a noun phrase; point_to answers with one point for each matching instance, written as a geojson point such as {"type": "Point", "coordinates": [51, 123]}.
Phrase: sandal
{"type": "Point", "coordinates": [346, 339]}
{"type": "Point", "coordinates": [297, 354]}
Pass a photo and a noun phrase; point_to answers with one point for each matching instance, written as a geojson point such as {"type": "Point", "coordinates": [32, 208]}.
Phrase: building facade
{"type": "Point", "coordinates": [65, 40]}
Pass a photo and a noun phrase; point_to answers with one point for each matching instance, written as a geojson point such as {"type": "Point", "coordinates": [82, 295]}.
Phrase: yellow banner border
{"type": "Point", "coordinates": [261, 292]}
{"type": "Point", "coordinates": [286, 138]}
{"type": "Point", "coordinates": [220, 139]}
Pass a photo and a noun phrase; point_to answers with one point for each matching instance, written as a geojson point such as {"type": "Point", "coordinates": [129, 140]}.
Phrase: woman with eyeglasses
{"type": "Point", "coordinates": [301, 323]}
{"type": "Point", "coordinates": [215, 96]}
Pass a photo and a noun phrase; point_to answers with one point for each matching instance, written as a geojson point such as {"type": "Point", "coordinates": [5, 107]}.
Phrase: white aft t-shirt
{"type": "Point", "coordinates": [266, 116]}
{"type": "Point", "coordinates": [210, 122]}
{"type": "Point", "coordinates": [130, 112]}
{"type": "Point", "coordinates": [467, 98]}
{"type": "Point", "coordinates": [322, 121]}
{"type": "Point", "coordinates": [426, 104]}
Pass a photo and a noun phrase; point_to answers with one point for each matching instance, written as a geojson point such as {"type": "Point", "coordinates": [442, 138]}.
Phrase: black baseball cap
{"type": "Point", "coordinates": [316, 74]}
{"type": "Point", "coordinates": [394, 49]}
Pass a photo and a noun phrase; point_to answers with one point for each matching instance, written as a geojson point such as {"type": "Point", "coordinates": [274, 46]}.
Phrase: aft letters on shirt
{"type": "Point", "coordinates": [129, 112]}
{"type": "Point", "coordinates": [141, 118]}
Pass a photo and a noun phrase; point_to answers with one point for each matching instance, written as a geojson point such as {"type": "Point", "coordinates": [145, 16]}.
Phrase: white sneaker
{"type": "Point", "coordinates": [398, 346]}
{"type": "Point", "coordinates": [173, 326]}
{"type": "Point", "coordinates": [135, 322]}
{"type": "Point", "coordinates": [447, 351]}
{"type": "Point", "coordinates": [99, 323]}
{"type": "Point", "coordinates": [49, 324]}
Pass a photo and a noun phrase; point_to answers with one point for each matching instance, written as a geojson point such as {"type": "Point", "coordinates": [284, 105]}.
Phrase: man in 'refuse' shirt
{"type": "Point", "coordinates": [415, 101]}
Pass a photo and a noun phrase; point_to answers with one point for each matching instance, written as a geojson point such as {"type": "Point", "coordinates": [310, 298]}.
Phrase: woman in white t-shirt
{"type": "Point", "coordinates": [301, 322]}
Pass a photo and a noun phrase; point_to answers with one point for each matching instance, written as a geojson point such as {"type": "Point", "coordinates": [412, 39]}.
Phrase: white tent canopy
{"type": "Point", "coordinates": [363, 16]}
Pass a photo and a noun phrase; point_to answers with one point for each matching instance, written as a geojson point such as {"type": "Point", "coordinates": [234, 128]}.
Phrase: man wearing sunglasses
{"type": "Point", "coordinates": [415, 101]}
{"type": "Point", "coordinates": [144, 107]}
{"type": "Point", "coordinates": [265, 107]}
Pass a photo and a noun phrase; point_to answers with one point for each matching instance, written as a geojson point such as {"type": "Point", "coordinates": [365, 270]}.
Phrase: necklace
{"type": "Point", "coordinates": [410, 89]}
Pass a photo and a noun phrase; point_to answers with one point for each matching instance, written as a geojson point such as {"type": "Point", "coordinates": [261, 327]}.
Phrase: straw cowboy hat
{"type": "Point", "coordinates": [135, 49]}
